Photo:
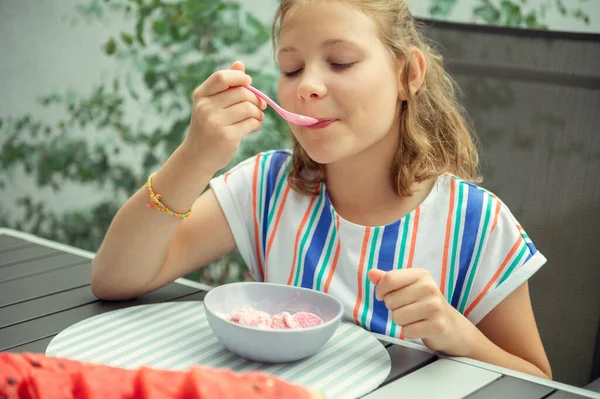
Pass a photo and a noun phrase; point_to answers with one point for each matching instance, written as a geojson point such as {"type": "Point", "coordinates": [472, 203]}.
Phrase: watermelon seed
{"type": "Point", "coordinates": [35, 363]}
{"type": "Point", "coordinates": [256, 388]}
{"type": "Point", "coordinates": [11, 381]}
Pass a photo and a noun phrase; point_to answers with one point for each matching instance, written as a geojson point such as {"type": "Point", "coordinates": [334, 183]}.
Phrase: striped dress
{"type": "Point", "coordinates": [462, 234]}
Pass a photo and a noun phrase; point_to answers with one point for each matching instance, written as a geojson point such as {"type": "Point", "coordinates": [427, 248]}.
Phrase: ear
{"type": "Point", "coordinates": [416, 74]}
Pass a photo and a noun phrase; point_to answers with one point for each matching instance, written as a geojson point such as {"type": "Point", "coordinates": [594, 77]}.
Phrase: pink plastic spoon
{"type": "Point", "coordinates": [296, 119]}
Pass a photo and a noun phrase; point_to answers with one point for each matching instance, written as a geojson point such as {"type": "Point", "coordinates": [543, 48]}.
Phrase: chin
{"type": "Point", "coordinates": [323, 155]}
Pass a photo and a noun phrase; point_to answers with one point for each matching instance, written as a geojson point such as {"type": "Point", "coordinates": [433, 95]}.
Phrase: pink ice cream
{"type": "Point", "coordinates": [249, 317]}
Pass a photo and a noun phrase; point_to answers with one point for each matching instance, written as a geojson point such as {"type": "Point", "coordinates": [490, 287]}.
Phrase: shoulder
{"type": "Point", "coordinates": [464, 194]}
{"type": "Point", "coordinates": [474, 207]}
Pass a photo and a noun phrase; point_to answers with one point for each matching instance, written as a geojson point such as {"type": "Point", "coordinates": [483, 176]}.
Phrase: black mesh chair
{"type": "Point", "coordinates": [534, 99]}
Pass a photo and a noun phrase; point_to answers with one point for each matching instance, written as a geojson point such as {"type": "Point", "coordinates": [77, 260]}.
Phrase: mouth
{"type": "Point", "coordinates": [323, 123]}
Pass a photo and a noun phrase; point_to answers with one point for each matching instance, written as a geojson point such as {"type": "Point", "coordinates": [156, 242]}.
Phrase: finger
{"type": "Point", "coordinates": [417, 330]}
{"type": "Point", "coordinates": [395, 280]}
{"type": "Point", "coordinates": [240, 112]}
{"type": "Point", "coordinates": [375, 276]}
{"type": "Point", "coordinates": [263, 103]}
{"type": "Point", "coordinates": [403, 297]}
{"type": "Point", "coordinates": [412, 313]}
{"type": "Point", "coordinates": [233, 96]}
{"type": "Point", "coordinates": [246, 127]}
{"type": "Point", "coordinates": [238, 66]}
{"type": "Point", "coordinates": [221, 81]}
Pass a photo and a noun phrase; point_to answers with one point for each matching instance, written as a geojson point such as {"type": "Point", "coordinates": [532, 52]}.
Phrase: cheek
{"type": "Point", "coordinates": [375, 107]}
{"type": "Point", "coordinates": [286, 93]}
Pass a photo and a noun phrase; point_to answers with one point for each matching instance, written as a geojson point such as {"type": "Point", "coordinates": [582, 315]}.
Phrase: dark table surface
{"type": "Point", "coordinates": [45, 288]}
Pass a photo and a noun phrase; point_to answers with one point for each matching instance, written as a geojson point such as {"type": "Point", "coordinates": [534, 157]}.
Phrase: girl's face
{"type": "Point", "coordinates": [335, 68]}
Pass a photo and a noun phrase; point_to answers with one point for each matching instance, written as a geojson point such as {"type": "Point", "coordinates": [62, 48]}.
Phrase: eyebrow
{"type": "Point", "coordinates": [326, 43]}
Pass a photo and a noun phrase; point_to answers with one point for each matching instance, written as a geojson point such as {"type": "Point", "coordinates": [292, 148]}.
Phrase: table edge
{"type": "Point", "coordinates": [81, 252]}
{"type": "Point", "coordinates": [523, 376]}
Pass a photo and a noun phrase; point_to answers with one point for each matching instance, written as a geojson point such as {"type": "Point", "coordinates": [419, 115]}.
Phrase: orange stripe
{"type": "Point", "coordinates": [447, 241]}
{"type": "Point", "coordinates": [495, 277]}
{"type": "Point", "coordinates": [414, 237]}
{"type": "Point", "coordinates": [496, 216]}
{"type": "Point", "coordinates": [335, 257]}
{"type": "Point", "coordinates": [312, 201]}
{"type": "Point", "coordinates": [360, 271]}
{"type": "Point", "coordinates": [412, 248]}
{"type": "Point", "coordinates": [272, 238]}
{"type": "Point", "coordinates": [226, 176]}
{"type": "Point", "coordinates": [256, 235]}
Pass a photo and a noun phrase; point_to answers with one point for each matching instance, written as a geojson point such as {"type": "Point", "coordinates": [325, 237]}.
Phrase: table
{"type": "Point", "coordinates": [45, 287]}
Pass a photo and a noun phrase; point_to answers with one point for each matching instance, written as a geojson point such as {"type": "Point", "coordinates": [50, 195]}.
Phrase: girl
{"type": "Point", "coordinates": [376, 204]}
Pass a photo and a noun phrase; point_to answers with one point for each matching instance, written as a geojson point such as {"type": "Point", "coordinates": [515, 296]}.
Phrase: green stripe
{"type": "Point", "coordinates": [514, 264]}
{"type": "Point", "coordinates": [450, 277]}
{"type": "Point", "coordinates": [306, 235]}
{"type": "Point", "coordinates": [327, 255]}
{"type": "Point", "coordinates": [401, 259]}
{"type": "Point", "coordinates": [467, 291]}
{"type": "Point", "coordinates": [261, 183]}
{"type": "Point", "coordinates": [367, 295]}
{"type": "Point", "coordinates": [277, 193]}
{"type": "Point", "coordinates": [403, 243]}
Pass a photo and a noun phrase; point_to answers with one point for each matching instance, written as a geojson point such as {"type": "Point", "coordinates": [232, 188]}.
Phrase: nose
{"type": "Point", "coordinates": [311, 86]}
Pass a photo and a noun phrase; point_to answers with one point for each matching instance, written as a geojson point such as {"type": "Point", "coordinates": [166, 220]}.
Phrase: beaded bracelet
{"type": "Point", "coordinates": [155, 202]}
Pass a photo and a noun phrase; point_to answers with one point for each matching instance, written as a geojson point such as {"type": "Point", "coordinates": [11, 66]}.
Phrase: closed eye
{"type": "Point", "coordinates": [341, 67]}
{"type": "Point", "coordinates": [292, 73]}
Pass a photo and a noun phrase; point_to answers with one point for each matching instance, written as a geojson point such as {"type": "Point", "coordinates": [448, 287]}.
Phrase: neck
{"type": "Point", "coordinates": [361, 189]}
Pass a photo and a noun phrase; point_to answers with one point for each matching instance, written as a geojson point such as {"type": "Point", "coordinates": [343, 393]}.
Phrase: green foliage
{"type": "Point", "coordinates": [173, 46]}
{"type": "Point", "coordinates": [515, 13]}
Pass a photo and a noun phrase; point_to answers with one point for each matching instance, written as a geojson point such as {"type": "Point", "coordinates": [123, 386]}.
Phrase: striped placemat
{"type": "Point", "coordinates": [176, 335]}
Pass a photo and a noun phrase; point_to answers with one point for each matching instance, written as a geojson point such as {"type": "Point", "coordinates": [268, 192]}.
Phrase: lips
{"type": "Point", "coordinates": [322, 123]}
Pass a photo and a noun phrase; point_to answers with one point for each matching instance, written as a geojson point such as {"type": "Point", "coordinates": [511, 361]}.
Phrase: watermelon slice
{"type": "Point", "coordinates": [10, 381]}
{"type": "Point", "coordinates": [103, 382]}
{"type": "Point", "coordinates": [157, 384]}
{"type": "Point", "coordinates": [36, 376]}
{"type": "Point", "coordinates": [47, 384]}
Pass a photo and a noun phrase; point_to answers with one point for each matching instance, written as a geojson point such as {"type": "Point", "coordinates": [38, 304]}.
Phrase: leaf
{"type": "Point", "coordinates": [139, 32]}
{"type": "Point", "coordinates": [110, 47]}
{"type": "Point", "coordinates": [511, 12]}
{"type": "Point", "coordinates": [160, 27]}
{"type": "Point", "coordinates": [561, 7]}
{"type": "Point", "coordinates": [488, 13]}
{"type": "Point", "coordinates": [127, 38]}
{"type": "Point", "coordinates": [442, 8]}
{"type": "Point", "coordinates": [531, 20]}
{"type": "Point", "coordinates": [150, 79]}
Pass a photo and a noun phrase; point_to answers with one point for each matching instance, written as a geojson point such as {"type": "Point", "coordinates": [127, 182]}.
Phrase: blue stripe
{"type": "Point", "coordinates": [385, 262]}
{"type": "Point", "coordinates": [277, 161]}
{"type": "Point", "coordinates": [316, 246]}
{"type": "Point", "coordinates": [532, 250]}
{"type": "Point", "coordinates": [469, 237]}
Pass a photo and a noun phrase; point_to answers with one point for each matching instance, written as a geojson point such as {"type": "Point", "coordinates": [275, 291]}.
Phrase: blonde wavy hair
{"type": "Point", "coordinates": [434, 136]}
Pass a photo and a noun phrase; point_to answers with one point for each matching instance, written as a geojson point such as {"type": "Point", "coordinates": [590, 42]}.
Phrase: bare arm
{"type": "Point", "coordinates": [508, 337]}
{"type": "Point", "coordinates": [144, 248]}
